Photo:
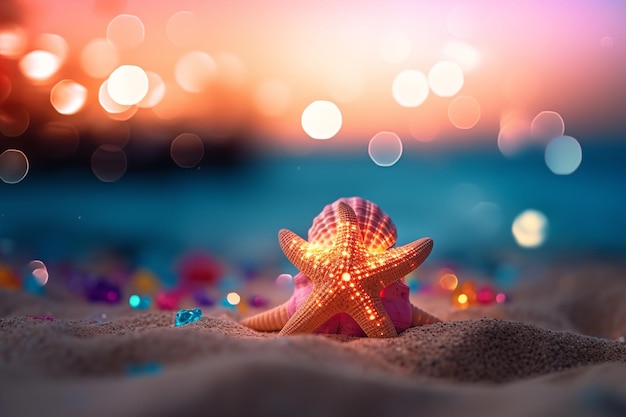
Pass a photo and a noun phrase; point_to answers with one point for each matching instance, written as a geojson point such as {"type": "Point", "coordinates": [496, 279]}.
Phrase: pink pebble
{"type": "Point", "coordinates": [168, 300]}
{"type": "Point", "coordinates": [486, 295]}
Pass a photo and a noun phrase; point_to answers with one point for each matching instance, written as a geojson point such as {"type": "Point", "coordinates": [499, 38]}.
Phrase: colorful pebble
{"type": "Point", "coordinates": [139, 302]}
{"type": "Point", "coordinates": [188, 316]}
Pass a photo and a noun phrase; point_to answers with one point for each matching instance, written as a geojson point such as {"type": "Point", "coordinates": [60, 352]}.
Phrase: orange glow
{"type": "Point", "coordinates": [99, 58]}
{"type": "Point", "coordinates": [12, 41]}
{"type": "Point", "coordinates": [272, 98]}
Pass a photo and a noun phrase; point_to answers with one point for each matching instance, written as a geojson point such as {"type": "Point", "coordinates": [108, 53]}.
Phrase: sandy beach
{"type": "Point", "coordinates": [554, 350]}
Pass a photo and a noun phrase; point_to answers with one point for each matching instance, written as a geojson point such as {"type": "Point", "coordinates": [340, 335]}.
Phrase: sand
{"type": "Point", "coordinates": [553, 351]}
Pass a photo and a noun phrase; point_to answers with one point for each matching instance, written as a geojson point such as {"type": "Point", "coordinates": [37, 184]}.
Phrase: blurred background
{"type": "Point", "coordinates": [134, 133]}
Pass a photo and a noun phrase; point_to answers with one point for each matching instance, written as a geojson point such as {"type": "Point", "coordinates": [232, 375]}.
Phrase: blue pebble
{"type": "Point", "coordinates": [139, 302]}
{"type": "Point", "coordinates": [188, 316]}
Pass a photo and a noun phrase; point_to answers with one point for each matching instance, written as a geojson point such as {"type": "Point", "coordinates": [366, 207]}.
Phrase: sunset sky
{"type": "Point", "coordinates": [228, 66]}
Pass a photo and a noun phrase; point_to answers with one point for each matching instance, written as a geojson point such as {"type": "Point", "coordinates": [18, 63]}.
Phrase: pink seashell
{"type": "Point", "coordinates": [379, 235]}
{"type": "Point", "coordinates": [378, 229]}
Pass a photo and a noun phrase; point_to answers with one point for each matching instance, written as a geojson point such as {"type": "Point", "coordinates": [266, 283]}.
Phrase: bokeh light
{"type": "Point", "coordinates": [125, 31]}
{"type": "Point", "coordinates": [39, 271]}
{"type": "Point", "coordinates": [108, 163]}
{"type": "Point", "coordinates": [463, 54]}
{"type": "Point", "coordinates": [321, 119]}
{"type": "Point", "coordinates": [99, 58]}
{"type": "Point", "coordinates": [13, 166]}
{"type": "Point", "coordinates": [563, 155]}
{"type": "Point", "coordinates": [513, 136]}
{"type": "Point", "coordinates": [446, 78]}
{"type": "Point", "coordinates": [68, 97]}
{"type": "Point", "coordinates": [183, 28]}
{"type": "Point", "coordinates": [156, 91]}
{"type": "Point", "coordinates": [13, 40]}
{"type": "Point", "coordinates": [107, 103]}
{"type": "Point", "coordinates": [464, 112]}
{"type": "Point", "coordinates": [128, 85]}
{"type": "Point", "coordinates": [39, 65]}
{"type": "Point", "coordinates": [385, 148]}
{"type": "Point", "coordinates": [233, 298]}
{"type": "Point", "coordinates": [547, 125]}
{"type": "Point", "coordinates": [448, 280]}
{"type": "Point", "coordinates": [394, 47]}
{"type": "Point", "coordinates": [410, 88]}
{"type": "Point", "coordinates": [284, 281]}
{"type": "Point", "coordinates": [530, 228]}
{"type": "Point", "coordinates": [52, 43]}
{"type": "Point", "coordinates": [13, 121]}
{"type": "Point", "coordinates": [272, 98]}
{"type": "Point", "coordinates": [124, 115]}
{"type": "Point", "coordinates": [187, 150]}
{"type": "Point", "coordinates": [195, 71]}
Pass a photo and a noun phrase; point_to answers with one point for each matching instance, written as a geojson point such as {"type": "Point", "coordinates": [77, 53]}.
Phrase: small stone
{"type": "Point", "coordinates": [257, 301]}
{"type": "Point", "coordinates": [168, 300]}
{"type": "Point", "coordinates": [103, 291]}
{"type": "Point", "coordinates": [188, 316]}
{"type": "Point", "coordinates": [139, 302]}
{"type": "Point", "coordinates": [202, 298]}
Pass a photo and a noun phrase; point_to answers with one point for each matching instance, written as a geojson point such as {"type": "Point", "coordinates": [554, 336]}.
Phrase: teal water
{"type": "Point", "coordinates": [237, 212]}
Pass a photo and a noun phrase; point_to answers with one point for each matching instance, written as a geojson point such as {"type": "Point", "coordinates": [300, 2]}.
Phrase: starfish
{"type": "Point", "coordinates": [347, 277]}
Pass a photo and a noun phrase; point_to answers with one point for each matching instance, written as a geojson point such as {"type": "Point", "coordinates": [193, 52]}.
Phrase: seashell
{"type": "Point", "coordinates": [379, 234]}
{"type": "Point", "coordinates": [378, 229]}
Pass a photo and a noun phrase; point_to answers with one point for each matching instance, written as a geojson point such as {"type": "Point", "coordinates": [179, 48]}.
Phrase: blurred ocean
{"type": "Point", "coordinates": [465, 200]}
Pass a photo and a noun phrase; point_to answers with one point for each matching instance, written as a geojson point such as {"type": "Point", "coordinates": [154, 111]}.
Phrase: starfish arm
{"type": "Point", "coordinates": [348, 234]}
{"type": "Point", "coordinates": [396, 263]}
{"type": "Point", "coordinates": [270, 320]}
{"type": "Point", "coordinates": [297, 250]}
{"type": "Point", "coordinates": [375, 322]}
{"type": "Point", "coordinates": [308, 318]}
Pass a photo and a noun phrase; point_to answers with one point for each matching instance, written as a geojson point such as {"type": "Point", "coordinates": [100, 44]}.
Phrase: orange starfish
{"type": "Point", "coordinates": [347, 277]}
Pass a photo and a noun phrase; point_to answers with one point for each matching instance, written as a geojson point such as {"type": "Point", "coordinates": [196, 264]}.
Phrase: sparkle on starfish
{"type": "Point", "coordinates": [347, 277]}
